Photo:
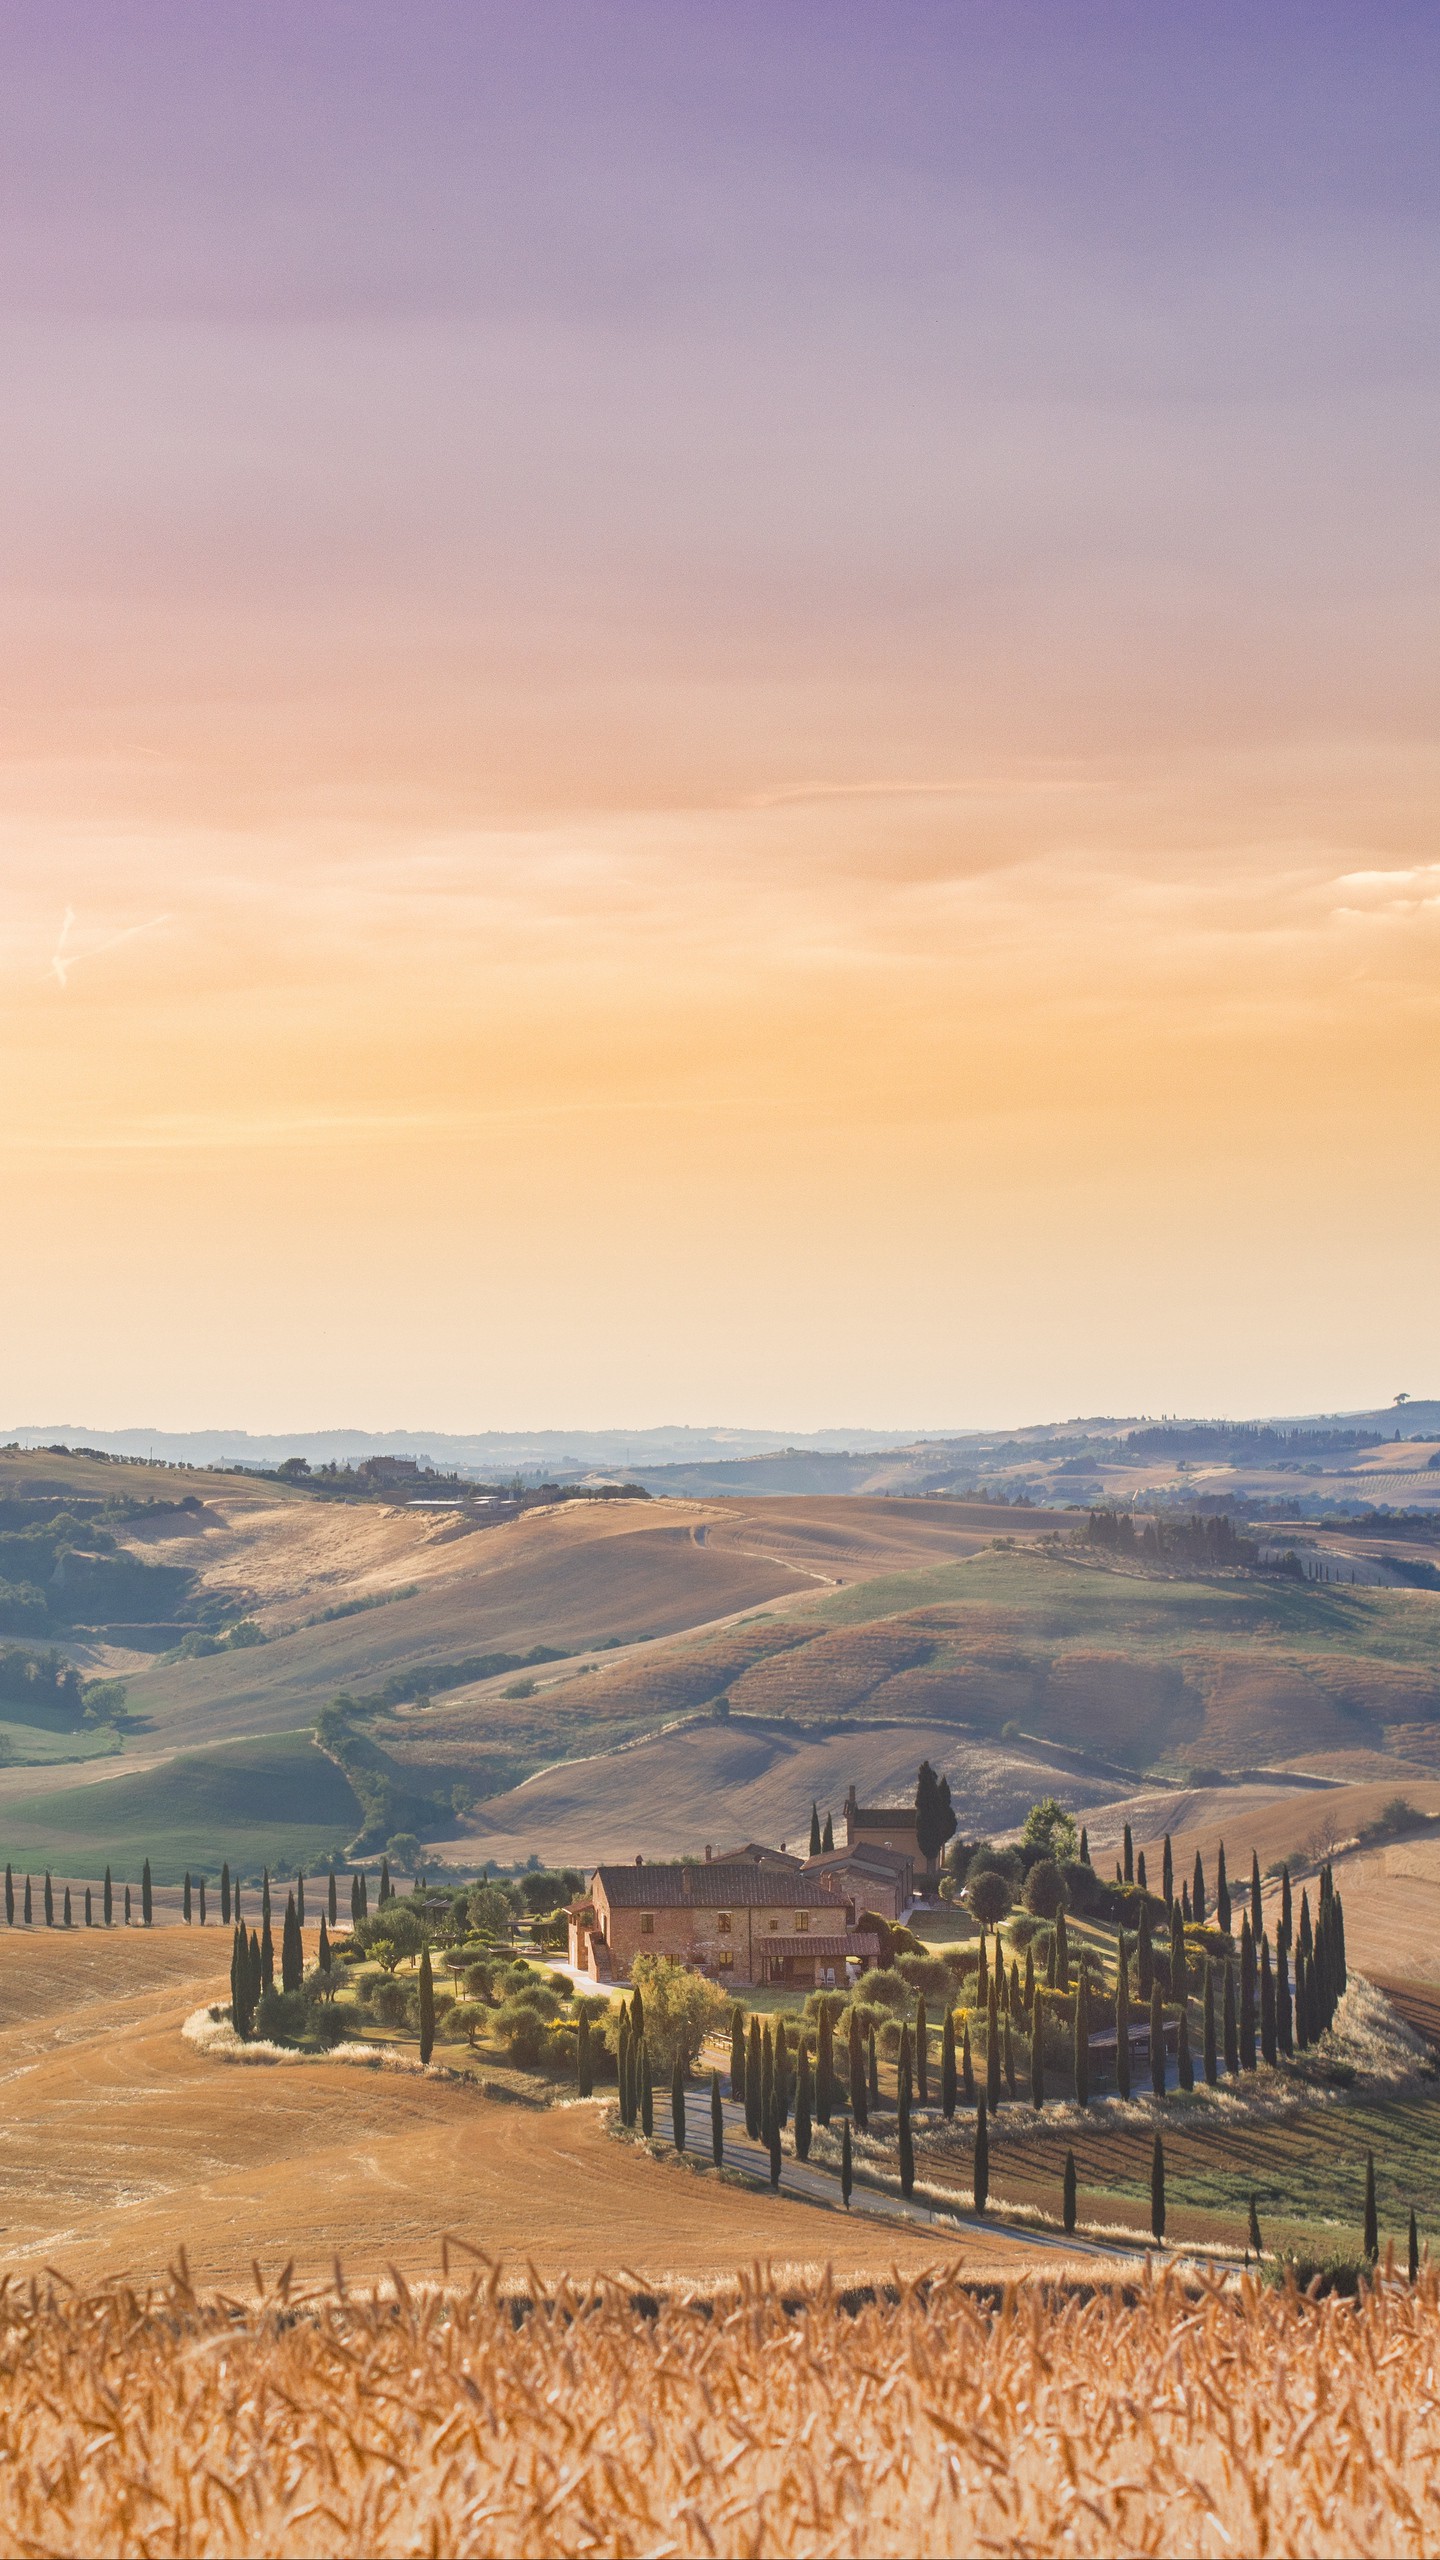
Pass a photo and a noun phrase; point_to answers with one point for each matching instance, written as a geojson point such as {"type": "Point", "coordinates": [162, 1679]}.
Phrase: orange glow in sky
{"type": "Point", "coordinates": [687, 747]}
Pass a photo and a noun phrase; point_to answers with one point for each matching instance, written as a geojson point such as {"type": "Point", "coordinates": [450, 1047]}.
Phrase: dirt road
{"type": "Point", "coordinates": [119, 2142]}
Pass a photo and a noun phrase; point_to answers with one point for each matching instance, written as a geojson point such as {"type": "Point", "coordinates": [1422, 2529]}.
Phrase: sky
{"type": "Point", "coordinates": [717, 715]}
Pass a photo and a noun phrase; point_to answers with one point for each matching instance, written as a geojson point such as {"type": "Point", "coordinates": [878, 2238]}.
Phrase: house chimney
{"type": "Point", "coordinates": [707, 1853]}
{"type": "Point", "coordinates": [639, 1861]}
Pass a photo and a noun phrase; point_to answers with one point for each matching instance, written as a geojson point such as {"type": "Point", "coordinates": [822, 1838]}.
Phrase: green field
{"type": "Point", "coordinates": [274, 1802]}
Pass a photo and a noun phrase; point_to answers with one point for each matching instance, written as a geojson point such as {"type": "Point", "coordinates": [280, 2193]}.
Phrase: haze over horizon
{"type": "Point", "coordinates": [718, 711]}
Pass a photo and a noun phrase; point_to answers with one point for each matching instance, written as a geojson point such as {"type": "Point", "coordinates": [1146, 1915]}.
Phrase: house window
{"type": "Point", "coordinates": [647, 1924]}
{"type": "Point", "coordinates": [725, 1961]}
{"type": "Point", "coordinates": [774, 1924]}
{"type": "Point", "coordinates": [723, 1924]}
{"type": "Point", "coordinates": [802, 1921]}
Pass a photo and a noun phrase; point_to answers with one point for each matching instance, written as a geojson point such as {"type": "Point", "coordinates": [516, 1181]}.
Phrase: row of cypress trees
{"type": "Point", "coordinates": [194, 1901]}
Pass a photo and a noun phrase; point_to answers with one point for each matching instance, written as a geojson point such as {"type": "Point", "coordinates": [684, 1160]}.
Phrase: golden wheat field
{"type": "Point", "coordinates": [919, 2421]}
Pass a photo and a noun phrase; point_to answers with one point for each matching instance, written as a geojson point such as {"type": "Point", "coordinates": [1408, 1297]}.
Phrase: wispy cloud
{"type": "Point", "coordinates": [66, 956]}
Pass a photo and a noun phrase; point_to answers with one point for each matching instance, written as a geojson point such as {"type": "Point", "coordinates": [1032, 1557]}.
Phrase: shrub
{"type": "Point", "coordinates": [1026, 1931]}
{"type": "Point", "coordinates": [1044, 1889]}
{"type": "Point", "coordinates": [1084, 1890]}
{"type": "Point", "coordinates": [392, 2002]}
{"type": "Point", "coordinates": [989, 1895]}
{"type": "Point", "coordinates": [467, 2019]}
{"type": "Point", "coordinates": [681, 2009]}
{"type": "Point", "coordinates": [480, 1979]}
{"type": "Point", "coordinates": [881, 1990]}
{"type": "Point", "coordinates": [929, 1974]}
{"type": "Point", "coordinates": [1049, 1832]}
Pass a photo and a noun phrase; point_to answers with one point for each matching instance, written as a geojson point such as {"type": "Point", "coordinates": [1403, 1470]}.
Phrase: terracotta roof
{"type": "Point", "coordinates": [865, 1853]}
{"type": "Point", "coordinates": [712, 1887]}
{"type": "Point", "coordinates": [856, 1942]}
{"type": "Point", "coordinates": [879, 1817]}
{"type": "Point", "coordinates": [756, 1855]}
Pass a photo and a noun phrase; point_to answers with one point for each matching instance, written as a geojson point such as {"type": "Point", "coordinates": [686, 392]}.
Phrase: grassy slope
{"type": "Point", "coordinates": [276, 1802]}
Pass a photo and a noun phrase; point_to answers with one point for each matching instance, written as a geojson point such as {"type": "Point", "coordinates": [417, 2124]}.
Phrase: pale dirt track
{"type": "Point", "coordinates": [120, 2143]}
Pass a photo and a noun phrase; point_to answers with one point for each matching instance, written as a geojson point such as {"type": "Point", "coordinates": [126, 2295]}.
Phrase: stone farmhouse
{"type": "Point", "coordinates": [884, 1826]}
{"type": "Point", "coordinates": [746, 1920]}
{"type": "Point", "coordinates": [868, 1877]}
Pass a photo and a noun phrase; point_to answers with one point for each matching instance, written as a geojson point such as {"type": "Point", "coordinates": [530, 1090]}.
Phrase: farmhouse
{"type": "Point", "coordinates": [737, 1921]}
{"type": "Point", "coordinates": [884, 1826]}
{"type": "Point", "coordinates": [868, 1877]}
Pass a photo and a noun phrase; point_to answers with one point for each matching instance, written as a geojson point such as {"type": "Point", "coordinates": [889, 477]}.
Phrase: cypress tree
{"type": "Point", "coordinates": [127, 1902]}
{"type": "Point", "coordinates": [754, 2082]}
{"type": "Point", "coordinates": [1062, 1951]}
{"type": "Point", "coordinates": [782, 2075]}
{"type": "Point", "coordinates": [239, 1914]}
{"type": "Point", "coordinates": [224, 1892]}
{"type": "Point", "coordinates": [1209, 2056]}
{"type": "Point", "coordinates": [364, 1898]}
{"type": "Point", "coordinates": [300, 1896]}
{"type": "Point", "coordinates": [1122, 2020]}
{"type": "Point", "coordinates": [992, 2053]}
{"type": "Point", "coordinates": [1011, 2084]}
{"type": "Point", "coordinates": [1013, 2001]}
{"type": "Point", "coordinates": [323, 1961]}
{"type": "Point", "coordinates": [1084, 1846]}
{"type": "Point", "coordinates": [1050, 1982]}
{"type": "Point", "coordinates": [981, 2174]}
{"type": "Point", "coordinates": [1128, 1856]}
{"type": "Point", "coordinates": [1184, 2066]}
{"type": "Point", "coordinates": [1252, 2237]}
{"type": "Point", "coordinates": [922, 2051]}
{"type": "Point", "coordinates": [265, 1914]}
{"type": "Point", "coordinates": [1247, 1996]}
{"type": "Point", "coordinates": [999, 1971]}
{"type": "Point", "coordinates": [774, 2156]}
{"type": "Point", "coordinates": [147, 1910]}
{"type": "Point", "coordinates": [677, 2102]}
{"type": "Point", "coordinates": [332, 1898]}
{"type": "Point", "coordinates": [984, 1964]}
{"type": "Point", "coordinates": [647, 2089]}
{"type": "Point", "coordinates": [107, 1903]}
{"type": "Point", "coordinates": [427, 2003]}
{"type": "Point", "coordinates": [1145, 1959]}
{"type": "Point", "coordinates": [1267, 2004]}
{"type": "Point", "coordinates": [255, 1963]}
{"type": "Point", "coordinates": [737, 2055]}
{"type": "Point", "coordinates": [1372, 2219]}
{"type": "Point", "coordinates": [267, 1959]}
{"type": "Point", "coordinates": [202, 1902]}
{"type": "Point", "coordinates": [828, 1841]}
{"type": "Point", "coordinates": [847, 2165]}
{"type": "Point", "coordinates": [825, 2066]}
{"type": "Point", "coordinates": [907, 2146]}
{"type": "Point", "coordinates": [1067, 2193]}
{"type": "Point", "coordinates": [1341, 1960]}
{"type": "Point", "coordinates": [1232, 2033]}
{"type": "Point", "coordinates": [1082, 2044]}
{"type": "Point", "coordinates": [28, 1910]}
{"type": "Point", "coordinates": [1157, 2190]}
{"type": "Point", "coordinates": [717, 2122]}
{"type": "Point", "coordinates": [9, 1893]}
{"type": "Point", "coordinates": [1167, 1876]}
{"type": "Point", "coordinates": [859, 2102]}
{"type": "Point", "coordinates": [1257, 1913]}
{"type": "Point", "coordinates": [1186, 1913]}
{"type": "Point", "coordinates": [67, 1906]}
{"type": "Point", "coordinates": [49, 1901]}
{"type": "Point", "coordinates": [815, 1849]}
{"type": "Point", "coordinates": [904, 2068]}
{"type": "Point", "coordinates": [622, 2064]}
{"type": "Point", "coordinates": [767, 2079]}
{"type": "Point", "coordinates": [292, 1957]}
{"type": "Point", "coordinates": [89, 1912]}
{"type": "Point", "coordinates": [1179, 1974]}
{"type": "Point", "coordinates": [1037, 2057]}
{"type": "Point", "coordinates": [354, 1900]}
{"type": "Point", "coordinates": [1140, 1876]}
{"type": "Point", "coordinates": [1157, 2044]}
{"type": "Point", "coordinates": [1302, 2001]}
{"type": "Point", "coordinates": [1284, 2013]}
{"type": "Point", "coordinates": [947, 2065]}
{"type": "Point", "coordinates": [1222, 1892]}
{"type": "Point", "coordinates": [1197, 1890]}
{"type": "Point", "coordinates": [1306, 1940]}
{"type": "Point", "coordinates": [1028, 1998]}
{"type": "Point", "coordinates": [967, 2066]}
{"type": "Point", "coordinates": [584, 2060]}
{"type": "Point", "coordinates": [386, 1887]}
{"type": "Point", "coordinates": [1413, 2250]}
{"type": "Point", "coordinates": [803, 2101]}
{"type": "Point", "coordinates": [185, 1904]}
{"type": "Point", "coordinates": [872, 2077]}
